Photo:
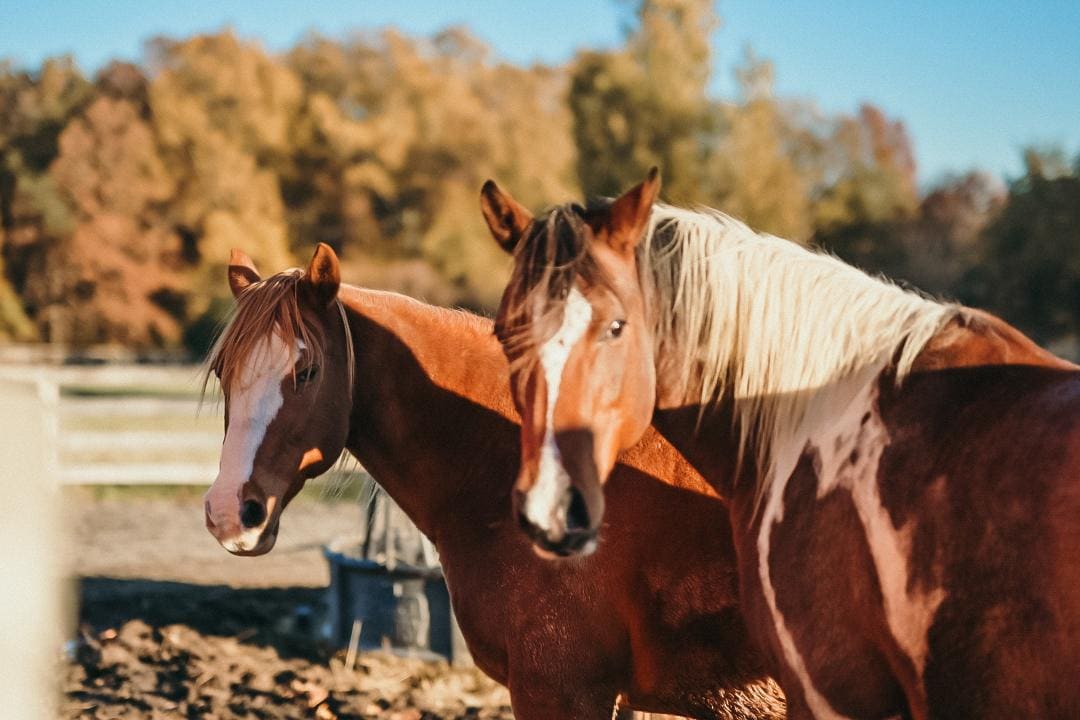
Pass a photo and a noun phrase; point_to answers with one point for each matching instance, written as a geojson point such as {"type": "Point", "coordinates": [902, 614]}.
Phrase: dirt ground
{"type": "Point", "coordinates": [171, 626]}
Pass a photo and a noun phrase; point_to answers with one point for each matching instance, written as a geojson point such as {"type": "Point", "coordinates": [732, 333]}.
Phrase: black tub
{"type": "Point", "coordinates": [404, 608]}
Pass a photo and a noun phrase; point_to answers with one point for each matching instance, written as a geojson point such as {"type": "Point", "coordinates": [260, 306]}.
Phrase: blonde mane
{"type": "Point", "coordinates": [770, 325]}
{"type": "Point", "coordinates": [267, 307]}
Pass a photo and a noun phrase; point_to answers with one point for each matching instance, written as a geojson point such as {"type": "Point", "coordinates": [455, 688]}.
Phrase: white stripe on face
{"type": "Point", "coordinates": [254, 401]}
{"type": "Point", "coordinates": [545, 502]}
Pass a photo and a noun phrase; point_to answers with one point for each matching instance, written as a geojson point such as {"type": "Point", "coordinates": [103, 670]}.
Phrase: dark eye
{"type": "Point", "coordinates": [614, 329]}
{"type": "Point", "coordinates": [307, 374]}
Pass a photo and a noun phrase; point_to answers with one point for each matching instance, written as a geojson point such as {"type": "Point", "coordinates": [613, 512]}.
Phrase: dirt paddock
{"type": "Point", "coordinates": [171, 626]}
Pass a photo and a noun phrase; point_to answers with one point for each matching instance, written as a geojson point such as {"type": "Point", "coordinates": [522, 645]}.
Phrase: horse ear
{"type": "Point", "coordinates": [242, 272]}
{"type": "Point", "coordinates": [506, 218]}
{"type": "Point", "coordinates": [628, 216]}
{"type": "Point", "coordinates": [323, 275]}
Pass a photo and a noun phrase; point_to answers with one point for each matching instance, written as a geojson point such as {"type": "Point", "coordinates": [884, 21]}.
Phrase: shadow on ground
{"type": "Point", "coordinates": [258, 616]}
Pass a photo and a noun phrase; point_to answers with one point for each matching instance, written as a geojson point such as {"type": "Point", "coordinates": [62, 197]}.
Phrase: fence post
{"type": "Point", "coordinates": [30, 602]}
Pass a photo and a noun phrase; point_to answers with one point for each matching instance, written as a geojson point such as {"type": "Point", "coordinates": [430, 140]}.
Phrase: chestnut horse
{"type": "Point", "coordinates": [903, 474]}
{"type": "Point", "coordinates": [419, 395]}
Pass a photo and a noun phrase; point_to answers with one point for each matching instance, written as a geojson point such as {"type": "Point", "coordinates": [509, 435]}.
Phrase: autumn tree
{"type": "Point", "coordinates": [645, 104]}
{"type": "Point", "coordinates": [34, 108]}
{"type": "Point", "coordinates": [116, 275]}
{"type": "Point", "coordinates": [120, 198]}
{"type": "Point", "coordinates": [753, 173]}
{"type": "Point", "coordinates": [946, 239]}
{"type": "Point", "coordinates": [869, 191]}
{"type": "Point", "coordinates": [397, 134]}
{"type": "Point", "coordinates": [223, 112]}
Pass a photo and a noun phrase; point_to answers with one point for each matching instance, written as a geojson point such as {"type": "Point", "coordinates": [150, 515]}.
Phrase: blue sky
{"type": "Point", "coordinates": [974, 80]}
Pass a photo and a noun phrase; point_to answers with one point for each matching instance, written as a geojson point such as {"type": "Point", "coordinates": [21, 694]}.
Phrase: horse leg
{"type": "Point", "coordinates": [530, 701]}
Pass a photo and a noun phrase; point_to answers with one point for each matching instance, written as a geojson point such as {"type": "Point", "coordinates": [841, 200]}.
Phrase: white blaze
{"type": "Point", "coordinates": [548, 495]}
{"type": "Point", "coordinates": [254, 401]}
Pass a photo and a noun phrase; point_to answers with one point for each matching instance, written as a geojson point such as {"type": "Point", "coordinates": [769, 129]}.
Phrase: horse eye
{"type": "Point", "coordinates": [307, 374]}
{"type": "Point", "coordinates": [615, 329]}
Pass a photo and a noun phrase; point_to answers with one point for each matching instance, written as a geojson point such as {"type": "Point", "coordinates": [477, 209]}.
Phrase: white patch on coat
{"type": "Point", "coordinates": [822, 411]}
{"type": "Point", "coordinates": [850, 454]}
{"type": "Point", "coordinates": [545, 503]}
{"type": "Point", "coordinates": [834, 426]}
{"type": "Point", "coordinates": [254, 401]}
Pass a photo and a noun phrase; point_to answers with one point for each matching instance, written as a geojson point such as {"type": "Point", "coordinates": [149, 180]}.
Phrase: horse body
{"type": "Point", "coordinates": [901, 474]}
{"type": "Point", "coordinates": [925, 563]}
{"type": "Point", "coordinates": [438, 433]}
{"type": "Point", "coordinates": [429, 415]}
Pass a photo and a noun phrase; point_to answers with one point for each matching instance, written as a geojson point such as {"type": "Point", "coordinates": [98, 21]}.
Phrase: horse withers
{"type": "Point", "coordinates": [419, 395]}
{"type": "Point", "coordinates": [902, 473]}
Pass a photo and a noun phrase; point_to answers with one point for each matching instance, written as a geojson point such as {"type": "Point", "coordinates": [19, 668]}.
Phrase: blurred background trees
{"type": "Point", "coordinates": [121, 194]}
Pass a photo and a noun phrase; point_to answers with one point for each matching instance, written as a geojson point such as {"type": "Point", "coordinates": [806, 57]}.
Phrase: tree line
{"type": "Point", "coordinates": [121, 193]}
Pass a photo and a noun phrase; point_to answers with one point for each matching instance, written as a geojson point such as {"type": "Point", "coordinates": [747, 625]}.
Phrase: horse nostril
{"type": "Point", "coordinates": [253, 514]}
{"type": "Point", "coordinates": [577, 513]}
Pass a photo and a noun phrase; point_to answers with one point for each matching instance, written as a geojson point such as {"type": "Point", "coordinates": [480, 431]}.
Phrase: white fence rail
{"type": "Point", "coordinates": [126, 424]}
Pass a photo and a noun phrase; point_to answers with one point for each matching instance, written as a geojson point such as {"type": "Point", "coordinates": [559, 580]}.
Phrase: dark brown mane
{"type": "Point", "coordinates": [548, 259]}
{"type": "Point", "coordinates": [268, 306]}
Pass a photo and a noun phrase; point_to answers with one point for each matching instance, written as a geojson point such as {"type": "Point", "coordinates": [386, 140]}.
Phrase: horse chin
{"type": "Point", "coordinates": [575, 544]}
{"type": "Point", "coordinates": [561, 553]}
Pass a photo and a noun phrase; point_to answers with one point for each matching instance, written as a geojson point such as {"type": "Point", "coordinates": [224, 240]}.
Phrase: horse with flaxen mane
{"type": "Point", "coordinates": [902, 474]}
{"type": "Point", "coordinates": [418, 394]}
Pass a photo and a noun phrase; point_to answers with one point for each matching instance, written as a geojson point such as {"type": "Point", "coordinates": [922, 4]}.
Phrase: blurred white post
{"type": "Point", "coordinates": [30, 615]}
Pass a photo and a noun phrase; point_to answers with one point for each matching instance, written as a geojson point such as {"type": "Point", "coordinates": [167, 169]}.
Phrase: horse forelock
{"type": "Point", "coordinates": [548, 261]}
{"type": "Point", "coordinates": [269, 307]}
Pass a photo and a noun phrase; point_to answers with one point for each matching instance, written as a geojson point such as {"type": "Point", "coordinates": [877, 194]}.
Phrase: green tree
{"type": "Point", "coordinates": [1030, 273]}
{"type": "Point", "coordinates": [754, 174]}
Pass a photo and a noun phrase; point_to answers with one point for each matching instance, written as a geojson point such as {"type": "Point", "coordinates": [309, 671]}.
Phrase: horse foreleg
{"type": "Point", "coordinates": [531, 702]}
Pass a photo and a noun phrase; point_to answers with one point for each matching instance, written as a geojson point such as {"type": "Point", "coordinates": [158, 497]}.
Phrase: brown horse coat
{"type": "Point", "coordinates": [646, 617]}
{"type": "Point", "coordinates": [902, 473]}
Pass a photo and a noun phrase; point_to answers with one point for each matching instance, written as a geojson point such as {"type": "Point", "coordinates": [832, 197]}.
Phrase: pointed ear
{"type": "Point", "coordinates": [323, 276]}
{"type": "Point", "coordinates": [505, 217]}
{"type": "Point", "coordinates": [242, 272]}
{"type": "Point", "coordinates": [628, 216]}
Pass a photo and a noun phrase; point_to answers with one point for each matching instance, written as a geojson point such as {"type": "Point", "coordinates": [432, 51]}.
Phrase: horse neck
{"type": "Point", "coordinates": [709, 436]}
{"type": "Point", "coordinates": [432, 419]}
